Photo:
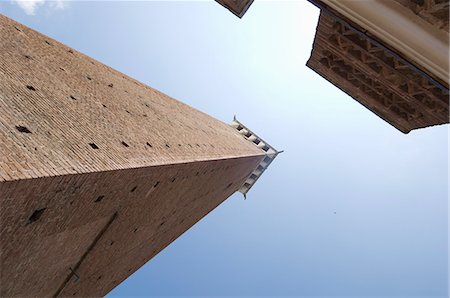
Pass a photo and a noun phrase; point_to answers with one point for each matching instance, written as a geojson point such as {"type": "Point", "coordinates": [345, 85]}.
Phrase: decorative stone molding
{"type": "Point", "coordinates": [377, 78]}
{"type": "Point", "coordinates": [270, 154]}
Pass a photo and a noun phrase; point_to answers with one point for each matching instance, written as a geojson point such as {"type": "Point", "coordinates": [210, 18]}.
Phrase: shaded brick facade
{"type": "Point", "coordinates": [98, 172]}
{"type": "Point", "coordinates": [377, 79]}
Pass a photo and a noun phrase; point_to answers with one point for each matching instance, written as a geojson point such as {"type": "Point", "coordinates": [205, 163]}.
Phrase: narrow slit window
{"type": "Point", "coordinates": [22, 129]}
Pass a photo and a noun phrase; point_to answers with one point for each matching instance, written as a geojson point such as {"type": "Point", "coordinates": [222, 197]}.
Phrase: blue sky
{"type": "Point", "coordinates": [352, 208]}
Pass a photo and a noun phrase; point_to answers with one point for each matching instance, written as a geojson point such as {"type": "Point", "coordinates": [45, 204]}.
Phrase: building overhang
{"type": "Point", "coordinates": [237, 7]}
{"type": "Point", "coordinates": [417, 40]}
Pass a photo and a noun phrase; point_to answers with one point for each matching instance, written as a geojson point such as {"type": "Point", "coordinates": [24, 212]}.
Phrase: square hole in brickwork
{"type": "Point", "coordinates": [133, 189]}
{"type": "Point", "coordinates": [36, 215]}
{"type": "Point", "coordinates": [22, 129]}
{"type": "Point", "coordinates": [125, 144]}
{"type": "Point", "coordinates": [73, 97]}
{"type": "Point", "coordinates": [150, 145]}
{"type": "Point", "coordinates": [99, 199]}
{"type": "Point", "coordinates": [93, 146]}
{"type": "Point", "coordinates": [29, 87]}
{"type": "Point", "coordinates": [267, 159]}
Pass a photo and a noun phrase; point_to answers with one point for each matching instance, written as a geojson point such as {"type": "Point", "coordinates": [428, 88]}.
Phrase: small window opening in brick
{"type": "Point", "coordinates": [99, 199]}
{"type": "Point", "coordinates": [248, 134]}
{"type": "Point", "coordinates": [265, 148]}
{"type": "Point", "coordinates": [179, 145]}
{"type": "Point", "coordinates": [150, 145]}
{"type": "Point", "coordinates": [93, 146]}
{"type": "Point", "coordinates": [161, 224]}
{"type": "Point", "coordinates": [125, 144]}
{"type": "Point", "coordinates": [62, 69]}
{"type": "Point", "coordinates": [104, 105]}
{"type": "Point", "coordinates": [260, 168]}
{"type": "Point", "coordinates": [196, 174]}
{"type": "Point", "coordinates": [112, 242]}
{"type": "Point", "coordinates": [173, 180]}
{"type": "Point", "coordinates": [18, 29]}
{"type": "Point", "coordinates": [198, 145]}
{"type": "Point", "coordinates": [156, 184]}
{"type": "Point", "coordinates": [89, 78]}
{"type": "Point", "coordinates": [36, 215]}
{"type": "Point", "coordinates": [70, 51]}
{"type": "Point", "coordinates": [29, 87]}
{"type": "Point", "coordinates": [256, 141]}
{"type": "Point", "coordinates": [100, 277]}
{"type": "Point", "coordinates": [253, 176]}
{"type": "Point", "coordinates": [135, 230]}
{"type": "Point", "coordinates": [229, 185]}
{"type": "Point", "coordinates": [28, 57]}
{"type": "Point", "coordinates": [145, 115]}
{"type": "Point", "coordinates": [246, 185]}
{"type": "Point", "coordinates": [111, 85]}
{"type": "Point", "coordinates": [133, 189]}
{"type": "Point", "coordinates": [167, 145]}
{"type": "Point", "coordinates": [22, 129]}
{"type": "Point", "coordinates": [128, 111]}
{"type": "Point", "coordinates": [73, 97]}
{"type": "Point", "coordinates": [47, 42]}
{"type": "Point", "coordinates": [267, 159]}
{"type": "Point", "coordinates": [147, 105]}
{"type": "Point", "coordinates": [239, 127]}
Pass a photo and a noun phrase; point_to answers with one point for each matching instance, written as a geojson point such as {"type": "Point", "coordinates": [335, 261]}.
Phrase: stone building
{"type": "Point", "coordinates": [392, 56]}
{"type": "Point", "coordinates": [99, 172]}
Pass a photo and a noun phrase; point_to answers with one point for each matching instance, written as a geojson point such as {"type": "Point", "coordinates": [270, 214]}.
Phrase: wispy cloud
{"type": "Point", "coordinates": [30, 6]}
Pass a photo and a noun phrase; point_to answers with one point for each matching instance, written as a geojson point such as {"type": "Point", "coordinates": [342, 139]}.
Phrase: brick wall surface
{"type": "Point", "coordinates": [98, 172]}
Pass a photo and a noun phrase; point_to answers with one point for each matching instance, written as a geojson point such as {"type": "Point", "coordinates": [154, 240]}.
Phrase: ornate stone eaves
{"type": "Point", "coordinates": [269, 151]}
{"type": "Point", "coordinates": [376, 77]}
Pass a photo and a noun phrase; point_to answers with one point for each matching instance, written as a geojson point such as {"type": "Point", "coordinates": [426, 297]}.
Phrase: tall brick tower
{"type": "Point", "coordinates": [98, 172]}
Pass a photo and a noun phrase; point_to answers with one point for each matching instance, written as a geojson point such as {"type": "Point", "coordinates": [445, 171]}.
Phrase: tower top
{"type": "Point", "coordinates": [270, 154]}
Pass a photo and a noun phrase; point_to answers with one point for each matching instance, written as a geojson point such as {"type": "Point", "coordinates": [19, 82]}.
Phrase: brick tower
{"type": "Point", "coordinates": [99, 172]}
